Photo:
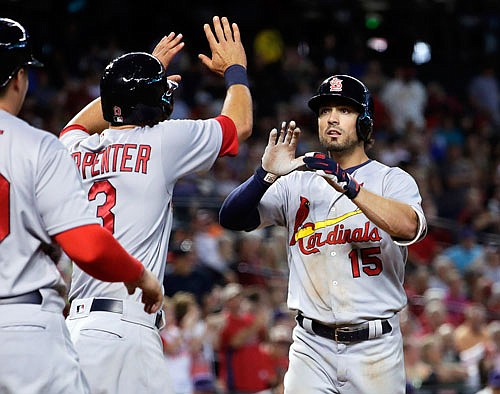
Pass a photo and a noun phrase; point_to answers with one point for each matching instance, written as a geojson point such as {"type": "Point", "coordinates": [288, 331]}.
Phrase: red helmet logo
{"type": "Point", "coordinates": [335, 85]}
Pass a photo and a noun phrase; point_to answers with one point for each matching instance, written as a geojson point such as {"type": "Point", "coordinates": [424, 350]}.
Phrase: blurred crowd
{"type": "Point", "coordinates": [227, 327]}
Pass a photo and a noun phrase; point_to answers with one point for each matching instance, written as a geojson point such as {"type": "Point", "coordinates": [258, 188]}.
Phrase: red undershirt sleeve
{"type": "Point", "coordinates": [73, 127]}
{"type": "Point", "coordinates": [99, 254]}
{"type": "Point", "coordinates": [229, 145]}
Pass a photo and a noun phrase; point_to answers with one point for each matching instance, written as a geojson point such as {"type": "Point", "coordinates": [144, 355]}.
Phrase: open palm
{"type": "Point", "coordinates": [279, 155]}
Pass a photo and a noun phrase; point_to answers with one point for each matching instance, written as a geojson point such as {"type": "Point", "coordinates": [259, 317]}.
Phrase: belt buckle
{"type": "Point", "coordinates": [347, 329]}
{"type": "Point", "coordinates": [341, 329]}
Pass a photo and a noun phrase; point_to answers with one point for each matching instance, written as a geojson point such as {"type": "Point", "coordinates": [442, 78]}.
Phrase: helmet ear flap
{"type": "Point", "coordinates": [168, 98]}
{"type": "Point", "coordinates": [364, 123]}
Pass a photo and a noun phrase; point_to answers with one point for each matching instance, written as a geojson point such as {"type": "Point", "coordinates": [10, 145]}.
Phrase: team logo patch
{"type": "Point", "coordinates": [335, 85]}
{"type": "Point", "coordinates": [117, 114]}
{"type": "Point", "coordinates": [80, 308]}
{"type": "Point", "coordinates": [300, 218]}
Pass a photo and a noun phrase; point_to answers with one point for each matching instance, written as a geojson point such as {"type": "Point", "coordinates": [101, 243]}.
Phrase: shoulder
{"type": "Point", "coordinates": [188, 124]}
{"type": "Point", "coordinates": [298, 176]}
{"type": "Point", "coordinates": [375, 166]}
{"type": "Point", "coordinates": [33, 137]}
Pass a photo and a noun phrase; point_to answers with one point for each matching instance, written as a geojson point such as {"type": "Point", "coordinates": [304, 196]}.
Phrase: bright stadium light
{"type": "Point", "coordinates": [421, 52]}
{"type": "Point", "coordinates": [377, 44]}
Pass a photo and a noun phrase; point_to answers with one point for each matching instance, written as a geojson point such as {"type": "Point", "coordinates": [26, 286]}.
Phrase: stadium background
{"type": "Point", "coordinates": [292, 46]}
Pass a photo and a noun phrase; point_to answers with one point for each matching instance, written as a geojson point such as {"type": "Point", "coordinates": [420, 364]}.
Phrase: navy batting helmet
{"type": "Point", "coordinates": [15, 50]}
{"type": "Point", "coordinates": [350, 90]}
{"type": "Point", "coordinates": [135, 90]}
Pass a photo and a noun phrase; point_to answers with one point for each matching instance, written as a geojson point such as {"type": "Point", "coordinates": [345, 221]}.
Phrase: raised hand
{"type": "Point", "coordinates": [167, 48]}
{"type": "Point", "coordinates": [225, 45]}
{"type": "Point", "coordinates": [279, 155]}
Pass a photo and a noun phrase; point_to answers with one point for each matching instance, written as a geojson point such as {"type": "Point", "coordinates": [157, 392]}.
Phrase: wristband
{"type": "Point", "coordinates": [266, 176]}
{"type": "Point", "coordinates": [351, 188]}
{"type": "Point", "coordinates": [236, 75]}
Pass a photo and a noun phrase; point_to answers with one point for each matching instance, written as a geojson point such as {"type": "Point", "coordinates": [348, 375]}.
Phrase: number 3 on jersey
{"type": "Point", "coordinates": [104, 210]}
{"type": "Point", "coordinates": [4, 208]}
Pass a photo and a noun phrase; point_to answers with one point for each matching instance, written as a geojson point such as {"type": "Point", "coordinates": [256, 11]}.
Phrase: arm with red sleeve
{"type": "Point", "coordinates": [99, 254]}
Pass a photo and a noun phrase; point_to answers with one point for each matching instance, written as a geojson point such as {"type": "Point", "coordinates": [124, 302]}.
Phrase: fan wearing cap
{"type": "Point", "coordinates": [349, 220]}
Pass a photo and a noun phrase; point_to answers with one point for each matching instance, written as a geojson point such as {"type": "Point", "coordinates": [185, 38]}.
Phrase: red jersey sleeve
{"type": "Point", "coordinates": [229, 145]}
{"type": "Point", "coordinates": [99, 254]}
{"type": "Point", "coordinates": [73, 127]}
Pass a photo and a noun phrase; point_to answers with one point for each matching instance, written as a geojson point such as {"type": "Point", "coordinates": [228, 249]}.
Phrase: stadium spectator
{"type": "Point", "coordinates": [183, 273]}
{"type": "Point", "coordinates": [244, 367]}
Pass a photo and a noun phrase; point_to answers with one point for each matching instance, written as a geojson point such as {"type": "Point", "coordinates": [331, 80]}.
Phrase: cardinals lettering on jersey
{"type": "Point", "coordinates": [338, 235]}
{"type": "Point", "coordinates": [114, 158]}
{"type": "Point", "coordinates": [309, 238]}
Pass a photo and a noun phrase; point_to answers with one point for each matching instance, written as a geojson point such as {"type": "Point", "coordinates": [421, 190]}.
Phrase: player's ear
{"type": "Point", "coordinates": [18, 78]}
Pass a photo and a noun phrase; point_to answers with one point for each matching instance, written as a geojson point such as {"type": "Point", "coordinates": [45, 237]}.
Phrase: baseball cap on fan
{"type": "Point", "coordinates": [343, 88]}
{"type": "Point", "coordinates": [230, 291]}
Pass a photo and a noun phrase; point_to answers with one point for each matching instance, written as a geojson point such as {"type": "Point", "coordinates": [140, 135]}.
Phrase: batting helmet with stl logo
{"type": "Point", "coordinates": [347, 89]}
{"type": "Point", "coordinates": [15, 50]}
{"type": "Point", "coordinates": [135, 91]}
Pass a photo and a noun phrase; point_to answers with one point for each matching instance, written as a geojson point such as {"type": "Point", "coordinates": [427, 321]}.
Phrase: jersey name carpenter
{"type": "Point", "coordinates": [114, 158]}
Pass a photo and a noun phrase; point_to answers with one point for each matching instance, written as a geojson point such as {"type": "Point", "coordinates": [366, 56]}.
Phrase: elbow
{"type": "Point", "coordinates": [407, 230]}
{"type": "Point", "coordinates": [226, 222]}
{"type": "Point", "coordinates": [244, 130]}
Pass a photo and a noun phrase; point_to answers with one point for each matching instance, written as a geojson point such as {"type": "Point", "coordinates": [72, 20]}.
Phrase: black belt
{"type": "Point", "coordinates": [33, 297]}
{"type": "Point", "coordinates": [343, 333]}
{"type": "Point", "coordinates": [116, 306]}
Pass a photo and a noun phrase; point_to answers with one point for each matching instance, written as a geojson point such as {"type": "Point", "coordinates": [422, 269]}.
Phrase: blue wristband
{"type": "Point", "coordinates": [352, 188]}
{"type": "Point", "coordinates": [236, 75]}
{"type": "Point", "coordinates": [266, 177]}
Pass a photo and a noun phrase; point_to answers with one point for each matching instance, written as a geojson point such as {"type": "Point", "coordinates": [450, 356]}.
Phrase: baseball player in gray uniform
{"type": "Point", "coordinates": [129, 171]}
{"type": "Point", "coordinates": [349, 221]}
{"type": "Point", "coordinates": [41, 201]}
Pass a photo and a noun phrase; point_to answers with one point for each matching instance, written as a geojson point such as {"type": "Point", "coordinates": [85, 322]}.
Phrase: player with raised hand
{"type": "Point", "coordinates": [349, 222]}
{"type": "Point", "coordinates": [129, 170]}
{"type": "Point", "coordinates": [43, 206]}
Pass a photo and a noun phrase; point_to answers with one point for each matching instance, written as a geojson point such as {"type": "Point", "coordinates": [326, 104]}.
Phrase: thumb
{"type": "Point", "coordinates": [204, 59]}
{"type": "Point", "coordinates": [130, 288]}
{"type": "Point", "coordinates": [175, 77]}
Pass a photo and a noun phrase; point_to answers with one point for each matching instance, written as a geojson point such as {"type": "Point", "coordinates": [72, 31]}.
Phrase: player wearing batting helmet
{"type": "Point", "coordinates": [349, 221]}
{"type": "Point", "coordinates": [129, 171]}
{"type": "Point", "coordinates": [43, 206]}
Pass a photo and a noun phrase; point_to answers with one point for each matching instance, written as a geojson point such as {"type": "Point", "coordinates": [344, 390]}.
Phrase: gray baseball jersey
{"type": "Point", "coordinates": [343, 268]}
{"type": "Point", "coordinates": [129, 176]}
{"type": "Point", "coordinates": [40, 196]}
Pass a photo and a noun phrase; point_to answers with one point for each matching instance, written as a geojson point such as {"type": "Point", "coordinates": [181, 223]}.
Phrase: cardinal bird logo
{"type": "Point", "coordinates": [300, 217]}
{"type": "Point", "coordinates": [335, 85]}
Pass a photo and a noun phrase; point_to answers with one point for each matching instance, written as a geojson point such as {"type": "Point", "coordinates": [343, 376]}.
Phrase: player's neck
{"type": "Point", "coordinates": [350, 159]}
{"type": "Point", "coordinates": [128, 126]}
